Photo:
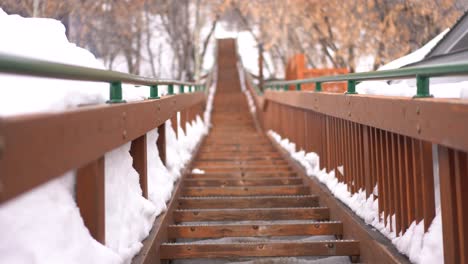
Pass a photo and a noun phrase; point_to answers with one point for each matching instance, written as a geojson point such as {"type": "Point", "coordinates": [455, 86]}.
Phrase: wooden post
{"type": "Point", "coordinates": [174, 124]}
{"type": "Point", "coordinates": [90, 197]}
{"type": "Point", "coordinates": [427, 183]}
{"type": "Point", "coordinates": [138, 152]}
{"type": "Point", "coordinates": [161, 142]}
{"type": "Point", "coordinates": [453, 168]}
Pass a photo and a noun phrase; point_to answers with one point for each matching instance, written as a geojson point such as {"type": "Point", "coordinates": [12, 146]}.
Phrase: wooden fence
{"type": "Point", "coordinates": [37, 148]}
{"type": "Point", "coordinates": [386, 142]}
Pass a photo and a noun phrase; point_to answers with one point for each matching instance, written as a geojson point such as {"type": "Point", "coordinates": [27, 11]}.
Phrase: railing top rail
{"type": "Point", "coordinates": [20, 65]}
{"type": "Point", "coordinates": [403, 73]}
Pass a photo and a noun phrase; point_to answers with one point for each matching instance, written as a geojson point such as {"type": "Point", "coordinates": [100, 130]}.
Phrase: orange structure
{"type": "Point", "coordinates": [296, 69]}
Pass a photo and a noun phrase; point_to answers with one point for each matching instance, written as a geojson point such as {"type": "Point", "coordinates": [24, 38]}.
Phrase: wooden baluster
{"type": "Point", "coordinates": [427, 183]}
{"type": "Point", "coordinates": [402, 176]}
{"type": "Point", "coordinates": [368, 160]}
{"type": "Point", "coordinates": [409, 179]}
{"type": "Point", "coordinates": [417, 188]}
{"type": "Point", "coordinates": [395, 180]}
{"type": "Point", "coordinates": [453, 169]}
{"type": "Point", "coordinates": [138, 152]}
{"type": "Point", "coordinates": [161, 142]}
{"type": "Point", "coordinates": [174, 124]}
{"type": "Point", "coordinates": [90, 197]}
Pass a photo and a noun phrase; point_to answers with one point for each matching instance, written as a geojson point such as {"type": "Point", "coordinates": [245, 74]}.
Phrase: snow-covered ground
{"type": "Point", "coordinates": [420, 247]}
{"type": "Point", "coordinates": [44, 225]}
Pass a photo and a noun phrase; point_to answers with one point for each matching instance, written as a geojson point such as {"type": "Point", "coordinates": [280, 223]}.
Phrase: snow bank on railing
{"type": "Point", "coordinates": [420, 247]}
{"type": "Point", "coordinates": [244, 89]}
{"type": "Point", "coordinates": [44, 225]}
{"type": "Point", "coordinates": [29, 94]}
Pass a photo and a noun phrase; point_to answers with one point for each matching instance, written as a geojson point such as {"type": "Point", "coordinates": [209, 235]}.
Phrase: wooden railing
{"type": "Point", "coordinates": [37, 148]}
{"type": "Point", "coordinates": [387, 142]}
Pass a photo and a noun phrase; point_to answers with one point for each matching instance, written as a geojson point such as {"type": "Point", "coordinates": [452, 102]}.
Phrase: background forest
{"type": "Point", "coordinates": [175, 39]}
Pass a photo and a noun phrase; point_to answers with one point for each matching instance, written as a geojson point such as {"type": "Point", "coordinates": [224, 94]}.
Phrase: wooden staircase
{"type": "Point", "coordinates": [248, 192]}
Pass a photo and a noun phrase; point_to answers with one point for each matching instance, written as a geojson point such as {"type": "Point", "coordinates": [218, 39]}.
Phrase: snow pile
{"type": "Point", "coordinates": [420, 247]}
{"type": "Point", "coordinates": [198, 171]}
{"type": "Point", "coordinates": [447, 87]}
{"type": "Point", "coordinates": [160, 182]}
{"type": "Point", "coordinates": [244, 89]}
{"type": "Point", "coordinates": [50, 43]}
{"type": "Point", "coordinates": [44, 225]}
{"type": "Point", "coordinates": [210, 99]}
{"type": "Point", "coordinates": [129, 216]}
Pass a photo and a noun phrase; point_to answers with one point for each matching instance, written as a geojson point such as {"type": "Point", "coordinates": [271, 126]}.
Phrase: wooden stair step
{"type": "Point", "coordinates": [242, 175]}
{"type": "Point", "coordinates": [227, 156]}
{"type": "Point", "coordinates": [246, 158]}
{"type": "Point", "coordinates": [248, 202]}
{"type": "Point", "coordinates": [242, 182]}
{"type": "Point", "coordinates": [244, 191]}
{"type": "Point", "coordinates": [250, 167]}
{"type": "Point", "coordinates": [255, 230]}
{"type": "Point", "coordinates": [259, 249]}
{"type": "Point", "coordinates": [240, 163]}
{"type": "Point", "coordinates": [296, 213]}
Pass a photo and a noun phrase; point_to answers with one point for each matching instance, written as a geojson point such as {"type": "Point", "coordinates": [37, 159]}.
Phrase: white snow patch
{"type": "Point", "coordinates": [244, 89]}
{"type": "Point", "coordinates": [45, 226]}
{"type": "Point", "coordinates": [198, 171]}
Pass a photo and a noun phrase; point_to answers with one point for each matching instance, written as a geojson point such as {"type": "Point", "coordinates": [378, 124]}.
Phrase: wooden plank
{"type": "Point", "coordinates": [255, 230]}
{"type": "Point", "coordinates": [90, 198]}
{"type": "Point", "coordinates": [448, 201]}
{"type": "Point", "coordinates": [427, 183]}
{"type": "Point", "coordinates": [260, 249]}
{"type": "Point", "coordinates": [437, 120]}
{"type": "Point", "coordinates": [461, 180]}
{"type": "Point", "coordinates": [138, 152]}
{"type": "Point", "coordinates": [312, 213]}
{"type": "Point", "coordinates": [243, 182]}
{"type": "Point", "coordinates": [248, 202]}
{"type": "Point", "coordinates": [239, 175]}
{"type": "Point", "coordinates": [244, 191]}
{"type": "Point", "coordinates": [410, 204]}
{"type": "Point", "coordinates": [41, 147]}
{"type": "Point", "coordinates": [417, 188]}
{"type": "Point", "coordinates": [395, 187]}
{"type": "Point", "coordinates": [402, 178]}
{"type": "Point", "coordinates": [161, 142]}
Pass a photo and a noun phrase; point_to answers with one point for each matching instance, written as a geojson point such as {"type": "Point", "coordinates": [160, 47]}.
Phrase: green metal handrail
{"type": "Point", "coordinates": [19, 65]}
{"type": "Point", "coordinates": [421, 73]}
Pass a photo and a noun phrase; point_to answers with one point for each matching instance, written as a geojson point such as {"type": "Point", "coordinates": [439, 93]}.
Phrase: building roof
{"type": "Point", "coordinates": [452, 48]}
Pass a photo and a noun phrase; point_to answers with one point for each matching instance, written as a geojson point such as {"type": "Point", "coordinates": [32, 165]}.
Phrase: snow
{"type": "Point", "coordinates": [420, 247]}
{"type": "Point", "coordinates": [198, 171]}
{"type": "Point", "coordinates": [244, 89]}
{"type": "Point", "coordinates": [129, 216]}
{"type": "Point", "coordinates": [44, 225]}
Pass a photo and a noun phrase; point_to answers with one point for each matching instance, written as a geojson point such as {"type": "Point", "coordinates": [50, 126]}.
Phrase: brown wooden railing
{"type": "Point", "coordinates": [40, 147]}
{"type": "Point", "coordinates": [37, 148]}
{"type": "Point", "coordinates": [386, 142]}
